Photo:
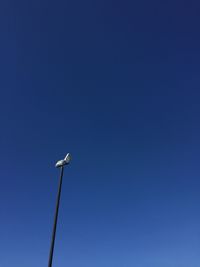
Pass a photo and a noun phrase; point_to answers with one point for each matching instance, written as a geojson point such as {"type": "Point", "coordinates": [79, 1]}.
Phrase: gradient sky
{"type": "Point", "coordinates": [117, 84]}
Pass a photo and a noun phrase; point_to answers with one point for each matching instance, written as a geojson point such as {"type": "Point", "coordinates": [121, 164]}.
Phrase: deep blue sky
{"type": "Point", "coordinates": [116, 83]}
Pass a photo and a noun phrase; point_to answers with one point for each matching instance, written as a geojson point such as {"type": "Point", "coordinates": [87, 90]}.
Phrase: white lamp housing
{"type": "Point", "coordinates": [64, 161]}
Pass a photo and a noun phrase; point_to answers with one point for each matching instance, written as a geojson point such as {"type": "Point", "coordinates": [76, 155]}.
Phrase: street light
{"type": "Point", "coordinates": [60, 164]}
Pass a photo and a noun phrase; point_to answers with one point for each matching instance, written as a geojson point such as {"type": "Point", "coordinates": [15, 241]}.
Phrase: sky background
{"type": "Point", "coordinates": [117, 84]}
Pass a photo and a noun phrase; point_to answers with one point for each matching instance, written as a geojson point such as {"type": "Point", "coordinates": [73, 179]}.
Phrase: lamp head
{"type": "Point", "coordinates": [64, 161]}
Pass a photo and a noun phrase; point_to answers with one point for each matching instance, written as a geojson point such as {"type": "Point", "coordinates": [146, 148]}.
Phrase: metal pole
{"type": "Point", "coordinates": [55, 219]}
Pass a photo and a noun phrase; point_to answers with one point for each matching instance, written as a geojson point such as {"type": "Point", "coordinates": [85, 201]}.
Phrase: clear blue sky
{"type": "Point", "coordinates": [117, 84]}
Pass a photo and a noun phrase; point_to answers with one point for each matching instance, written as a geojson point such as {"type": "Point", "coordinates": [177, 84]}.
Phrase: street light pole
{"type": "Point", "coordinates": [60, 164]}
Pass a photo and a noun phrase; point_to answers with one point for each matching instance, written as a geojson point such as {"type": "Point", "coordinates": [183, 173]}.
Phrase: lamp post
{"type": "Point", "coordinates": [60, 164]}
